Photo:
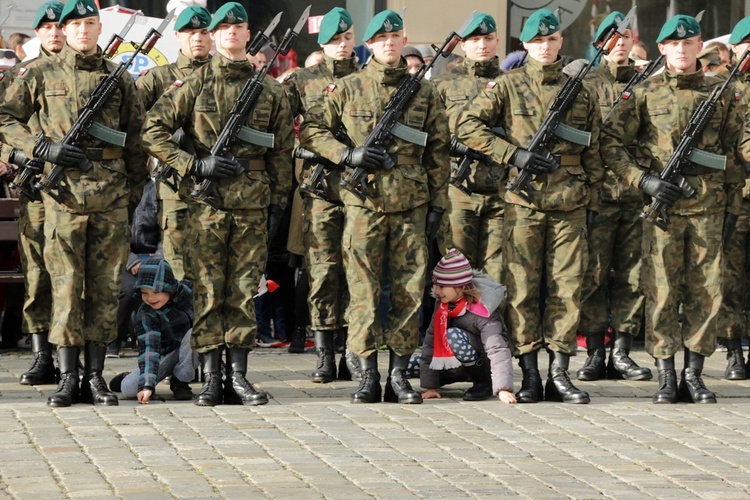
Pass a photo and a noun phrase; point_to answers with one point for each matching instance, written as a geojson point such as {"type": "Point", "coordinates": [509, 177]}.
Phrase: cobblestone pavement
{"type": "Point", "coordinates": [309, 442]}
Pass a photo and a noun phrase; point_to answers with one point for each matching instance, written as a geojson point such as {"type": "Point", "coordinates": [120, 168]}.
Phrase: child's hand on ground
{"type": "Point", "coordinates": [506, 397]}
{"type": "Point", "coordinates": [144, 396]}
{"type": "Point", "coordinates": [431, 394]}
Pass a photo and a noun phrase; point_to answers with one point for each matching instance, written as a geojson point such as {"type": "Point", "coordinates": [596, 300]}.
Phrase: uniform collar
{"type": "Point", "coordinates": [82, 61]}
{"type": "Point", "coordinates": [184, 62]}
{"type": "Point", "coordinates": [232, 69]}
{"type": "Point", "coordinates": [545, 73]}
{"type": "Point", "coordinates": [620, 73]}
{"type": "Point", "coordinates": [338, 68]}
{"type": "Point", "coordinates": [685, 80]}
{"type": "Point", "coordinates": [387, 75]}
{"type": "Point", "coordinates": [486, 69]}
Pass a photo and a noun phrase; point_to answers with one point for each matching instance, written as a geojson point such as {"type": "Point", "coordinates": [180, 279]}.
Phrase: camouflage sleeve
{"type": "Point", "coordinates": [591, 158]}
{"type": "Point", "coordinates": [315, 132]}
{"type": "Point", "coordinates": [730, 138]}
{"type": "Point", "coordinates": [476, 121]}
{"type": "Point", "coordinates": [131, 121]}
{"type": "Point", "coordinates": [279, 159]}
{"type": "Point", "coordinates": [17, 105]}
{"type": "Point", "coordinates": [171, 111]}
{"type": "Point", "coordinates": [293, 96]}
{"type": "Point", "coordinates": [148, 89]}
{"type": "Point", "coordinates": [436, 156]}
{"type": "Point", "coordinates": [621, 129]}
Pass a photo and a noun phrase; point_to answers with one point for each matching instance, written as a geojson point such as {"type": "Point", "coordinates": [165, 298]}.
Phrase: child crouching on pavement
{"type": "Point", "coordinates": [467, 332]}
{"type": "Point", "coordinates": [163, 325]}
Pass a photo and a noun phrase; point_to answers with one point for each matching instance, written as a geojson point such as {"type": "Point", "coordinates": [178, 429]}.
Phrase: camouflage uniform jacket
{"type": "Point", "coordinates": [152, 83]}
{"type": "Point", "coordinates": [609, 80]}
{"type": "Point", "coordinates": [654, 117]}
{"type": "Point", "coordinates": [55, 89]}
{"type": "Point", "coordinates": [201, 105]}
{"type": "Point", "coordinates": [519, 102]}
{"type": "Point", "coordinates": [307, 87]}
{"type": "Point", "coordinates": [459, 86]}
{"type": "Point", "coordinates": [743, 87]}
{"type": "Point", "coordinates": [357, 102]}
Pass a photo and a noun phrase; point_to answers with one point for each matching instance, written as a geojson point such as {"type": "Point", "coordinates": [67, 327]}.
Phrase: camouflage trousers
{"type": "Point", "coordinates": [37, 300]}
{"type": "Point", "coordinates": [733, 314]}
{"type": "Point", "coordinates": [549, 246]}
{"type": "Point", "coordinates": [173, 220]}
{"type": "Point", "coordinates": [322, 231]}
{"type": "Point", "coordinates": [368, 237]}
{"type": "Point", "coordinates": [682, 265]}
{"type": "Point", "coordinates": [227, 256]}
{"type": "Point", "coordinates": [86, 256]}
{"type": "Point", "coordinates": [615, 243]}
{"type": "Point", "coordinates": [476, 229]}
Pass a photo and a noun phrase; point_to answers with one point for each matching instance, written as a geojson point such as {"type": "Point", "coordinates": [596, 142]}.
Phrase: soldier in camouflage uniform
{"type": "Point", "coordinates": [195, 44]}
{"type": "Point", "coordinates": [402, 205]}
{"type": "Point", "coordinates": [682, 264]}
{"type": "Point", "coordinates": [615, 240]}
{"type": "Point", "coordinates": [545, 235]}
{"type": "Point", "coordinates": [733, 322]}
{"type": "Point", "coordinates": [86, 233]}
{"type": "Point", "coordinates": [324, 215]}
{"type": "Point", "coordinates": [37, 288]}
{"type": "Point", "coordinates": [475, 221]}
{"type": "Point", "coordinates": [227, 246]}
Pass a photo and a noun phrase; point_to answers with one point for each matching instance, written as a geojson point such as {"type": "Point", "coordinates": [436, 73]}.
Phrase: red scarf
{"type": "Point", "coordinates": [442, 355]}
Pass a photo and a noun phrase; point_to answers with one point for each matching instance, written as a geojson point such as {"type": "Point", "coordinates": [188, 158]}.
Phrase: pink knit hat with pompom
{"type": "Point", "coordinates": [453, 270]}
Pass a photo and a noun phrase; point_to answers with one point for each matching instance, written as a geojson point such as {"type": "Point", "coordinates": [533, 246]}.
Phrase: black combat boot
{"type": "Point", "coordinates": [369, 390]}
{"type": "Point", "coordinates": [343, 371]}
{"type": "Point", "coordinates": [42, 369]}
{"type": "Point", "coordinates": [620, 365]}
{"type": "Point", "coordinates": [94, 388]}
{"type": "Point", "coordinates": [180, 390]}
{"type": "Point", "coordinates": [735, 360]}
{"type": "Point", "coordinates": [339, 340]}
{"type": "Point", "coordinates": [667, 392]}
{"type": "Point", "coordinates": [237, 390]}
{"type": "Point", "coordinates": [397, 387]}
{"type": "Point", "coordinates": [68, 391]}
{"type": "Point", "coordinates": [595, 367]}
{"type": "Point", "coordinates": [559, 387]}
{"type": "Point", "coordinates": [531, 386]}
{"type": "Point", "coordinates": [482, 381]}
{"type": "Point", "coordinates": [353, 365]}
{"type": "Point", "coordinates": [692, 389]}
{"type": "Point", "coordinates": [297, 343]}
{"type": "Point", "coordinates": [211, 392]}
{"type": "Point", "coordinates": [326, 370]}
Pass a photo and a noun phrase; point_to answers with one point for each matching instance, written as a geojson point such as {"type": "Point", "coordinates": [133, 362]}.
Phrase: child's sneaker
{"type": "Point", "coordinates": [180, 389]}
{"type": "Point", "coordinates": [24, 342]}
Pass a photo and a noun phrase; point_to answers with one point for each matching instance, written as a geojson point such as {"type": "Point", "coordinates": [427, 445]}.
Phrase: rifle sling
{"type": "Point", "coordinates": [107, 134]}
{"type": "Point", "coordinates": [255, 137]}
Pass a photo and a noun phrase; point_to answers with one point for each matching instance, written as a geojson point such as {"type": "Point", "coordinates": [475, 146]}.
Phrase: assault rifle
{"type": "Point", "coordinates": [30, 168]}
{"type": "Point", "coordinates": [686, 155]}
{"type": "Point", "coordinates": [318, 181]}
{"type": "Point", "coordinates": [637, 78]}
{"type": "Point", "coordinates": [468, 156]}
{"type": "Point", "coordinates": [390, 126]}
{"type": "Point", "coordinates": [207, 190]}
{"type": "Point", "coordinates": [552, 125]}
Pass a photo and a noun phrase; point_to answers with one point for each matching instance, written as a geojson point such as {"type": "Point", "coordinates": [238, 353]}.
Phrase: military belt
{"type": "Point", "coordinates": [252, 164]}
{"type": "Point", "coordinates": [405, 160]}
{"type": "Point", "coordinates": [99, 154]}
{"type": "Point", "coordinates": [568, 160]}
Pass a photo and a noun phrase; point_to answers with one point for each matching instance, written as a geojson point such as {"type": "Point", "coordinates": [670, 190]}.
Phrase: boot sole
{"type": "Point", "coordinates": [37, 382]}
{"type": "Point", "coordinates": [322, 380]}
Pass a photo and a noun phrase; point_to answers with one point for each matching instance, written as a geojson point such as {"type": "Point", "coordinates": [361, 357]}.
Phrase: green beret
{"type": "Point", "coordinates": [542, 22]}
{"type": "Point", "coordinates": [78, 9]}
{"type": "Point", "coordinates": [679, 28]}
{"type": "Point", "coordinates": [48, 13]}
{"type": "Point", "coordinates": [336, 21]}
{"type": "Point", "coordinates": [194, 17]}
{"type": "Point", "coordinates": [740, 32]}
{"type": "Point", "coordinates": [384, 22]}
{"type": "Point", "coordinates": [611, 21]}
{"type": "Point", "coordinates": [481, 24]}
{"type": "Point", "coordinates": [230, 13]}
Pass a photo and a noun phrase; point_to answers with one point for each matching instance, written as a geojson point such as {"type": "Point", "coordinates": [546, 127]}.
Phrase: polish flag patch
{"type": "Point", "coordinates": [331, 87]}
{"type": "Point", "coordinates": [490, 85]}
{"type": "Point", "coordinates": [143, 72]}
{"type": "Point", "coordinates": [178, 83]}
{"type": "Point", "coordinates": [626, 95]}
{"type": "Point", "coordinates": [21, 71]}
{"type": "Point", "coordinates": [737, 96]}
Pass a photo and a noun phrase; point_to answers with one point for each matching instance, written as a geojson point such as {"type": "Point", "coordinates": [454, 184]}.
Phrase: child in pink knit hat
{"type": "Point", "coordinates": [467, 333]}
